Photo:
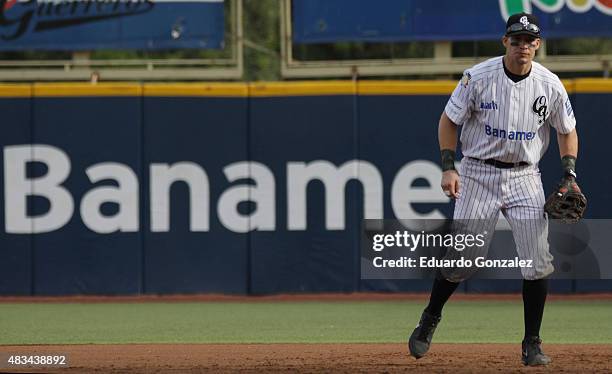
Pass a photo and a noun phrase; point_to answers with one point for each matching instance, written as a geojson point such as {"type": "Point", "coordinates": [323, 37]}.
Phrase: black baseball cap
{"type": "Point", "coordinates": [523, 24]}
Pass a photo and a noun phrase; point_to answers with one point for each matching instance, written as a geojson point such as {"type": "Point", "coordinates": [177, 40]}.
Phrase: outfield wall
{"type": "Point", "coordinates": [145, 188]}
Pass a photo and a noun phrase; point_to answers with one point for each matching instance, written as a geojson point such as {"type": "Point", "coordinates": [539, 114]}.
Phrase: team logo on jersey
{"type": "Point", "coordinates": [491, 105]}
{"type": "Point", "coordinates": [540, 108]}
{"type": "Point", "coordinates": [466, 79]}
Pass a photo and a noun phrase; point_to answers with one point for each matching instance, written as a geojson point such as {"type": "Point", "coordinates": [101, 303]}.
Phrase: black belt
{"type": "Point", "coordinates": [501, 164]}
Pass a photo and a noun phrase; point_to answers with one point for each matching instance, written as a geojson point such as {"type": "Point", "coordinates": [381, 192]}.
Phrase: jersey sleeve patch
{"type": "Point", "coordinates": [568, 108]}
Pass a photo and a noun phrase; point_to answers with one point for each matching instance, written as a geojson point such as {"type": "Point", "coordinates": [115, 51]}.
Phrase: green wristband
{"type": "Point", "coordinates": [448, 159]}
{"type": "Point", "coordinates": [569, 165]}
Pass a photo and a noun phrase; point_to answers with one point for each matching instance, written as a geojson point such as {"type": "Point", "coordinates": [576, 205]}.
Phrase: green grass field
{"type": "Point", "coordinates": [293, 322]}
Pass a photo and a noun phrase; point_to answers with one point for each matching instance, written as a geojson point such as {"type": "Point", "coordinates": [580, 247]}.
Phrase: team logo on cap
{"type": "Point", "coordinates": [524, 20]}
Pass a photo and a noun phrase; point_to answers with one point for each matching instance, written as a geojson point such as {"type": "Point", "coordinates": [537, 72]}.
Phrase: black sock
{"type": "Point", "coordinates": [534, 298]}
{"type": "Point", "coordinates": [440, 292]}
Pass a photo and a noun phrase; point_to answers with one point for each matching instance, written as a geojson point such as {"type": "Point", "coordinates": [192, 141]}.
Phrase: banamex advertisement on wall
{"type": "Point", "coordinates": [236, 194]}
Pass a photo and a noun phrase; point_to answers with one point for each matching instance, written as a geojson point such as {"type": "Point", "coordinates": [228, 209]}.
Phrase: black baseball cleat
{"type": "Point", "coordinates": [419, 341]}
{"type": "Point", "coordinates": [532, 352]}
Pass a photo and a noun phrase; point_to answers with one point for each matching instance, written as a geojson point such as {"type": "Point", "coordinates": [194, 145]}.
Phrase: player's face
{"type": "Point", "coordinates": [521, 48]}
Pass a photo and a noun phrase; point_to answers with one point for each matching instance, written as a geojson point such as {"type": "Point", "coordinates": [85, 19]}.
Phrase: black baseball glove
{"type": "Point", "coordinates": [567, 203]}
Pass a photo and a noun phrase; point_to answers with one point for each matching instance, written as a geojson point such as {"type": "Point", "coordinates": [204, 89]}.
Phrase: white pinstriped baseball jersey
{"type": "Point", "coordinates": [509, 121]}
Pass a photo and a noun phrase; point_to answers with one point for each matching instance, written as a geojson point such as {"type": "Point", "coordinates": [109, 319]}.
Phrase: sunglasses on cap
{"type": "Point", "coordinates": [520, 27]}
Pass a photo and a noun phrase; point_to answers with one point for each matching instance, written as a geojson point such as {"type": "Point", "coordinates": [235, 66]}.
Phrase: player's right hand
{"type": "Point", "coordinates": [450, 183]}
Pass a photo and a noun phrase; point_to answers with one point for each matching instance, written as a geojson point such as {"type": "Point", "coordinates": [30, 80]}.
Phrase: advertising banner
{"type": "Point", "coordinates": [114, 24]}
{"type": "Point", "coordinates": [229, 188]}
{"type": "Point", "coordinates": [319, 21]}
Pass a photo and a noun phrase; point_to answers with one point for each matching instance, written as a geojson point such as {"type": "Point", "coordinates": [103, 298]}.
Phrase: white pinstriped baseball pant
{"type": "Point", "coordinates": [518, 193]}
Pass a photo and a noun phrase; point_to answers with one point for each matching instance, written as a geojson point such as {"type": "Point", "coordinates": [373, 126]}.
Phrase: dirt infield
{"type": "Point", "coordinates": [314, 358]}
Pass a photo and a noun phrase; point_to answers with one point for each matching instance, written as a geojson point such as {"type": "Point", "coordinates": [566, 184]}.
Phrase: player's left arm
{"type": "Point", "coordinates": [568, 143]}
{"type": "Point", "coordinates": [567, 202]}
{"type": "Point", "coordinates": [568, 149]}
{"type": "Point", "coordinates": [563, 120]}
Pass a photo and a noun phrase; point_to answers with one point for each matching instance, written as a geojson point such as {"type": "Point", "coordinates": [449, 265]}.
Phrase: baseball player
{"type": "Point", "coordinates": [506, 106]}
